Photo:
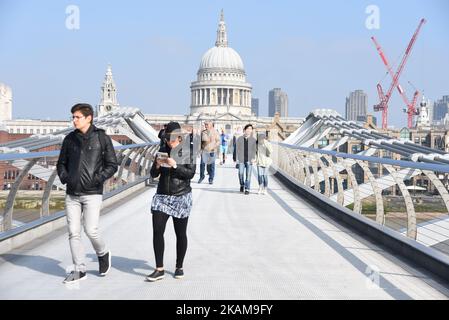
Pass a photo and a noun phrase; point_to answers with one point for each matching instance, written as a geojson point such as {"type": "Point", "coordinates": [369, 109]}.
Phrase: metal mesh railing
{"type": "Point", "coordinates": [409, 197]}
{"type": "Point", "coordinates": [32, 190]}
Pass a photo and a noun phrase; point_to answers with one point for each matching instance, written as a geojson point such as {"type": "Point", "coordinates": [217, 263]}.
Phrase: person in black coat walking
{"type": "Point", "coordinates": [173, 197]}
{"type": "Point", "coordinates": [87, 159]}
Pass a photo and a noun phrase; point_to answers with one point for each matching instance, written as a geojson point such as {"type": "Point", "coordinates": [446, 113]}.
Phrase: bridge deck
{"type": "Point", "coordinates": [240, 247]}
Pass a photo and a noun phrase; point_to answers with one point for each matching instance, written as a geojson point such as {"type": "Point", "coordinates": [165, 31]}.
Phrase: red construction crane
{"type": "Point", "coordinates": [384, 98]}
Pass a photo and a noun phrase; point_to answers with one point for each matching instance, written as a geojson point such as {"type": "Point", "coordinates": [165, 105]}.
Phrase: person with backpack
{"type": "Point", "coordinates": [263, 161]}
{"type": "Point", "coordinates": [87, 159]}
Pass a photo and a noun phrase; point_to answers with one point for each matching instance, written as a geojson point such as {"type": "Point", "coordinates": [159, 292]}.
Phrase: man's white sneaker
{"type": "Point", "coordinates": [75, 276]}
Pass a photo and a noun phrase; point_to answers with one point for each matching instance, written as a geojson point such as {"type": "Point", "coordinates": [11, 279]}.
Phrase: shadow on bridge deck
{"type": "Point", "coordinates": [273, 246]}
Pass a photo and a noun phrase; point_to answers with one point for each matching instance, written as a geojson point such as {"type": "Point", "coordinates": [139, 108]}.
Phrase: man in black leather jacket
{"type": "Point", "coordinates": [87, 159]}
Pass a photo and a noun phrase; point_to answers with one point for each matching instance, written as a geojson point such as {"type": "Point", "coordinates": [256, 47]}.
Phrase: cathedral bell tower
{"type": "Point", "coordinates": [108, 100]}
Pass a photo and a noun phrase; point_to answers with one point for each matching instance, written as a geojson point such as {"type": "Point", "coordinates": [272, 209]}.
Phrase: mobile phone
{"type": "Point", "coordinates": [162, 155]}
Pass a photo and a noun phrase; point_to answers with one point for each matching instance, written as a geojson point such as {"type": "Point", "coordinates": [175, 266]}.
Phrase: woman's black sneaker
{"type": "Point", "coordinates": [241, 189]}
{"type": "Point", "coordinates": [75, 276]}
{"type": "Point", "coordinates": [156, 275]}
{"type": "Point", "coordinates": [179, 273]}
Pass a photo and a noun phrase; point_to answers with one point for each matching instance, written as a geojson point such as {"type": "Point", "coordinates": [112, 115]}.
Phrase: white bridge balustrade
{"type": "Point", "coordinates": [334, 173]}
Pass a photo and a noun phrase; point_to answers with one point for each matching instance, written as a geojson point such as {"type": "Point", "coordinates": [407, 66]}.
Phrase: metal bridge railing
{"type": "Point", "coordinates": [32, 190]}
{"type": "Point", "coordinates": [378, 188]}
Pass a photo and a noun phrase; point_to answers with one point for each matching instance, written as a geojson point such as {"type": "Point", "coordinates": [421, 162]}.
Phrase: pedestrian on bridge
{"type": "Point", "coordinates": [224, 141]}
{"type": "Point", "coordinates": [264, 150]}
{"type": "Point", "coordinates": [195, 140]}
{"type": "Point", "coordinates": [87, 159]}
{"type": "Point", "coordinates": [245, 156]}
{"type": "Point", "coordinates": [173, 197]}
{"type": "Point", "coordinates": [210, 141]}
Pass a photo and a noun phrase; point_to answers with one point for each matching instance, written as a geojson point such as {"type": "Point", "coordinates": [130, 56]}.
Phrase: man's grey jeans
{"type": "Point", "coordinates": [84, 209]}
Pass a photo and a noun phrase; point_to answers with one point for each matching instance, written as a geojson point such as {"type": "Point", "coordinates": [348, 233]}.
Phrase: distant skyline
{"type": "Point", "coordinates": [317, 52]}
{"type": "Point", "coordinates": [356, 105]}
{"type": "Point", "coordinates": [277, 102]}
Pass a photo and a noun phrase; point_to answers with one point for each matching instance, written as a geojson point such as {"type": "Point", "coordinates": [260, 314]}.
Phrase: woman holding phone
{"type": "Point", "coordinates": [173, 197]}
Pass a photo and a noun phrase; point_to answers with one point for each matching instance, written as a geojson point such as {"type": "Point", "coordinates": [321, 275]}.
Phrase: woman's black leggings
{"type": "Point", "coordinates": [159, 222]}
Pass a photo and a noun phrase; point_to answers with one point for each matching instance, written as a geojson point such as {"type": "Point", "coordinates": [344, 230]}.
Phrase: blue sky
{"type": "Point", "coordinates": [315, 51]}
